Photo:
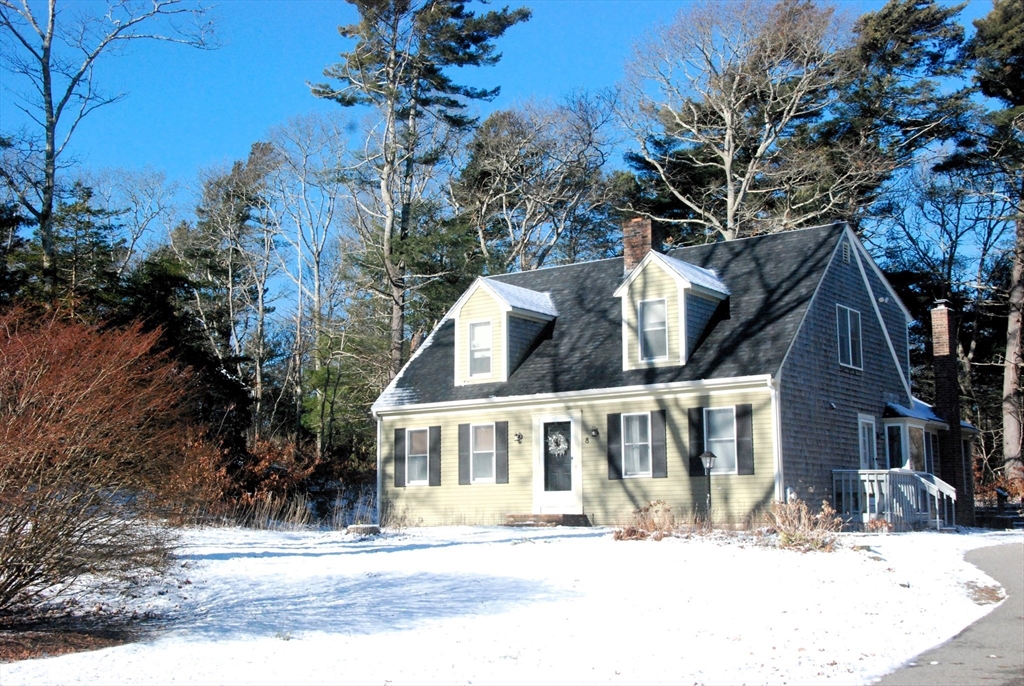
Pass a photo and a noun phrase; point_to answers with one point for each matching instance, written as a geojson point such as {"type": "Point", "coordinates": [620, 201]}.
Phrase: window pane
{"type": "Point", "coordinates": [480, 335]}
{"type": "Point", "coordinates": [635, 428]}
{"type": "Point", "coordinates": [725, 455]}
{"type": "Point", "coordinates": [417, 468]}
{"type": "Point", "coordinates": [636, 453]}
{"type": "Point", "coordinates": [867, 445]}
{"type": "Point", "coordinates": [720, 424]}
{"type": "Point", "coordinates": [720, 438]}
{"type": "Point", "coordinates": [418, 442]}
{"type": "Point", "coordinates": [483, 466]}
{"type": "Point", "coordinates": [637, 460]}
{"type": "Point", "coordinates": [655, 344]}
{"type": "Point", "coordinates": [480, 362]}
{"type": "Point", "coordinates": [895, 447]}
{"type": "Point", "coordinates": [479, 348]}
{"type": "Point", "coordinates": [483, 438]}
{"type": "Point", "coordinates": [843, 326]}
{"type": "Point", "coordinates": [653, 314]}
{"type": "Point", "coordinates": [653, 330]}
{"type": "Point", "coordinates": [855, 352]}
{"type": "Point", "coordinates": [916, 449]}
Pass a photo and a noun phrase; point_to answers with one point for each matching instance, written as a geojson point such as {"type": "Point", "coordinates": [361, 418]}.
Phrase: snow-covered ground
{"type": "Point", "coordinates": [544, 606]}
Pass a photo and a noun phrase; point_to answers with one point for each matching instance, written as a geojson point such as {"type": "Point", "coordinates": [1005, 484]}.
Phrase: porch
{"type": "Point", "coordinates": [905, 499]}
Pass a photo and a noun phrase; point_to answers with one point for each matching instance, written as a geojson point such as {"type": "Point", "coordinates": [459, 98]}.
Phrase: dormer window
{"type": "Point", "coordinates": [653, 330]}
{"type": "Point", "coordinates": [480, 349]}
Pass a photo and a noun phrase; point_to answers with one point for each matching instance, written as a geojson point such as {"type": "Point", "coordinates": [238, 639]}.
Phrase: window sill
{"type": "Point", "coordinates": [645, 475]}
{"type": "Point", "coordinates": [415, 484]}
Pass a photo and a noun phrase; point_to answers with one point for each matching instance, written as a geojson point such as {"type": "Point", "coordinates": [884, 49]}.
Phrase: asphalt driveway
{"type": "Point", "coordinates": [990, 651]}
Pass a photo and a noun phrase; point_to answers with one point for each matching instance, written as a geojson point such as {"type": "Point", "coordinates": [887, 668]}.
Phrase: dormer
{"type": "Point", "coordinates": [496, 326]}
{"type": "Point", "coordinates": [666, 306]}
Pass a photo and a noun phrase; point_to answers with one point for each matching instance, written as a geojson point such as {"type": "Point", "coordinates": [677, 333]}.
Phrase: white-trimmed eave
{"type": "Point", "coordinates": [878, 312]}
{"type": "Point", "coordinates": [878, 272]}
{"type": "Point", "coordinates": [620, 392]}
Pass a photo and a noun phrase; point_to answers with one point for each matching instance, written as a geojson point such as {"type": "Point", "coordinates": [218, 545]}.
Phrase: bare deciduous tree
{"type": "Point", "coordinates": [54, 52]}
{"type": "Point", "coordinates": [142, 201]}
{"type": "Point", "coordinates": [534, 171]}
{"type": "Point", "coordinates": [719, 92]}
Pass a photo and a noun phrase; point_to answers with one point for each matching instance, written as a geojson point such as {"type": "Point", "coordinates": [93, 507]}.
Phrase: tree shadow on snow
{"type": "Point", "coordinates": [355, 605]}
{"type": "Point", "coordinates": [374, 545]}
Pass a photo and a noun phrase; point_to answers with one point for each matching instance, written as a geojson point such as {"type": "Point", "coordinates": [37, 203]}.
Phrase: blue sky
{"type": "Point", "coordinates": [187, 109]}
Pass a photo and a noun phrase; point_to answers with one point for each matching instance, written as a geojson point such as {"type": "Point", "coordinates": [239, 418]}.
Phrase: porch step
{"type": "Point", "coordinates": [547, 520]}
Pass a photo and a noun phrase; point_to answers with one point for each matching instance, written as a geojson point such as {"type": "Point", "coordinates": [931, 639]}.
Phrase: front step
{"type": "Point", "coordinates": [547, 520]}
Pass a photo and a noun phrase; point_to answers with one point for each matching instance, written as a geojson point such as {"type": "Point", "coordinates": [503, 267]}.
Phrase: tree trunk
{"type": "Point", "coordinates": [1012, 429]}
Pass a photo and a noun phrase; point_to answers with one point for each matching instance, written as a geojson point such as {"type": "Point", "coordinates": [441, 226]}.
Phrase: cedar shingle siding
{"type": "Point", "coordinates": [817, 438]}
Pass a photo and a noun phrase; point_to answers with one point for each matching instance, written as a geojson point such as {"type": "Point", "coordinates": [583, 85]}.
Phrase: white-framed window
{"type": "Point", "coordinates": [636, 444]}
{"type": "Point", "coordinates": [480, 349]}
{"type": "Point", "coordinates": [417, 467]}
{"type": "Point", "coordinates": [894, 446]}
{"type": "Point", "coordinates": [848, 325]}
{"type": "Point", "coordinates": [868, 454]}
{"type": "Point", "coordinates": [653, 330]}
{"type": "Point", "coordinates": [481, 448]}
{"type": "Point", "coordinates": [917, 448]}
{"type": "Point", "coordinates": [720, 438]}
{"type": "Point", "coordinates": [931, 450]}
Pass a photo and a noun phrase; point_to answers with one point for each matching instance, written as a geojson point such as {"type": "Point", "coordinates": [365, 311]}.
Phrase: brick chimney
{"type": "Point", "coordinates": [953, 466]}
{"type": "Point", "coordinates": [636, 242]}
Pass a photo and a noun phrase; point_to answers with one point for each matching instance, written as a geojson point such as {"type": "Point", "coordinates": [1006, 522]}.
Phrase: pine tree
{"type": "Point", "coordinates": [399, 66]}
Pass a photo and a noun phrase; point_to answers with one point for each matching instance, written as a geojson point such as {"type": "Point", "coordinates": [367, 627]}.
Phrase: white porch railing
{"type": "Point", "coordinates": [905, 499]}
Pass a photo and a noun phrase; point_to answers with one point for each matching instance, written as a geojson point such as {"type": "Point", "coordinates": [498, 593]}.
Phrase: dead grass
{"type": "Point", "coordinates": [798, 528]}
{"type": "Point", "coordinates": [984, 595]}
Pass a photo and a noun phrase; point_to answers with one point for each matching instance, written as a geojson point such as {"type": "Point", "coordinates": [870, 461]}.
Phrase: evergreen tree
{"type": "Point", "coordinates": [997, 148]}
{"type": "Point", "coordinates": [400, 64]}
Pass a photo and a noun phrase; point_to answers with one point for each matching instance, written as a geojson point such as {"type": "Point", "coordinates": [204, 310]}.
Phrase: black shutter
{"type": "Point", "coordinates": [659, 452]}
{"type": "Point", "coordinates": [614, 438]}
{"type": "Point", "coordinates": [744, 439]}
{"type": "Point", "coordinates": [501, 452]}
{"type": "Point", "coordinates": [463, 454]}
{"type": "Point", "coordinates": [696, 417]}
{"type": "Point", "coordinates": [399, 458]}
{"type": "Point", "coordinates": [434, 457]}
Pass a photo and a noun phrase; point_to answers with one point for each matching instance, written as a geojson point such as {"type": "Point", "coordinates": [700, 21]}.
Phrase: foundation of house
{"type": "Point", "coordinates": [547, 520]}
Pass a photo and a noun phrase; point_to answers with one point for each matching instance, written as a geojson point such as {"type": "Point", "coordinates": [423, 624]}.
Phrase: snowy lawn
{"type": "Point", "coordinates": [544, 606]}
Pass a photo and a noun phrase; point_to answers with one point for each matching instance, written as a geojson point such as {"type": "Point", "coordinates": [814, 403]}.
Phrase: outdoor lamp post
{"type": "Point", "coordinates": [708, 458]}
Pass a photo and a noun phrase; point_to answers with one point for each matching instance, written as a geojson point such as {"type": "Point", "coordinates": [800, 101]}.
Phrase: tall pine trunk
{"type": "Point", "coordinates": [1012, 419]}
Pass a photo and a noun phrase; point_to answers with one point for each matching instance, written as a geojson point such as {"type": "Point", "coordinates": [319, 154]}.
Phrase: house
{"type": "Point", "coordinates": [585, 391]}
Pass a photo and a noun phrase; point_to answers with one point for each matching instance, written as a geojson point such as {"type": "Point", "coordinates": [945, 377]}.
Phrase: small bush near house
{"type": "Point", "coordinates": [798, 528]}
{"type": "Point", "coordinates": [878, 526]}
{"type": "Point", "coordinates": [654, 520]}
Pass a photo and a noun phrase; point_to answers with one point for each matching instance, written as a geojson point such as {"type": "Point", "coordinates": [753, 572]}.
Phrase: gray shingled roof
{"type": "Point", "coordinates": [772, 279]}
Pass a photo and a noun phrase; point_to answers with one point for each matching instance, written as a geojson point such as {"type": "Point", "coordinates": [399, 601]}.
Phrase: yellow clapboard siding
{"type": "Point", "coordinates": [480, 307]}
{"type": "Point", "coordinates": [606, 501]}
{"type": "Point", "coordinates": [653, 283]}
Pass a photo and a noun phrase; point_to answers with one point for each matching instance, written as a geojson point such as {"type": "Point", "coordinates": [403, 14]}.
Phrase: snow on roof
{"type": "Point", "coordinates": [520, 298]}
{"type": "Point", "coordinates": [698, 276]}
{"type": "Point", "coordinates": [921, 410]}
{"type": "Point", "coordinates": [924, 412]}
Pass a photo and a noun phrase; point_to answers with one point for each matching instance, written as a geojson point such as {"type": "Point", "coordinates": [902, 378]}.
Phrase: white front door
{"type": "Point", "coordinates": [557, 465]}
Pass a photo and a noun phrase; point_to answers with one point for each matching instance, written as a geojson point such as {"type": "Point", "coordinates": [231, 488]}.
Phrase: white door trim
{"type": "Point", "coordinates": [558, 502]}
